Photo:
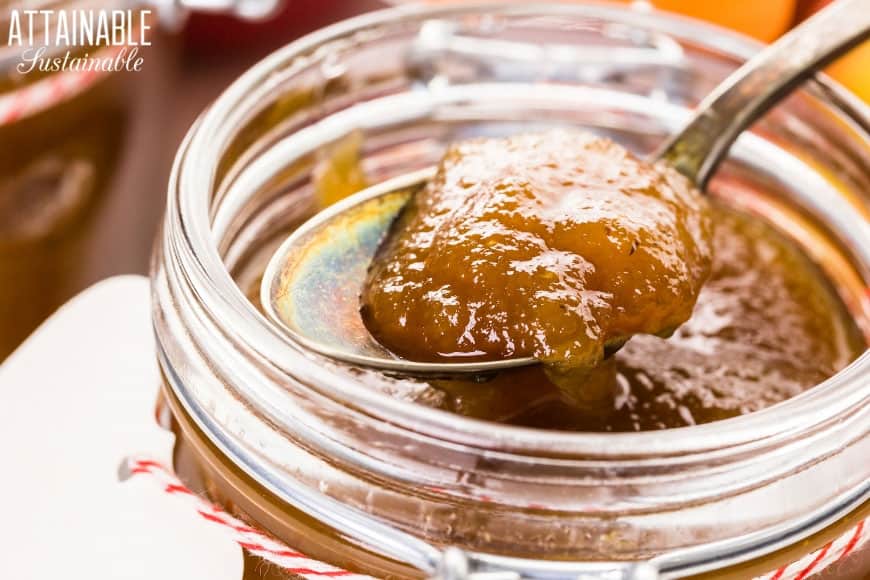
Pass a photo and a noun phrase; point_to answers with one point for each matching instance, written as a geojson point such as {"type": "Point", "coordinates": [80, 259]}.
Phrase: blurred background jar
{"type": "Point", "coordinates": [85, 158]}
{"type": "Point", "coordinates": [81, 174]}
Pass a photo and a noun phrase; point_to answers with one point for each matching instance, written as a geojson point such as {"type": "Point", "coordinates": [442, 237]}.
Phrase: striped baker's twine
{"type": "Point", "coordinates": [263, 545]}
{"type": "Point", "coordinates": [45, 93]}
{"type": "Point", "coordinates": [834, 551]}
{"type": "Point", "coordinates": [250, 539]}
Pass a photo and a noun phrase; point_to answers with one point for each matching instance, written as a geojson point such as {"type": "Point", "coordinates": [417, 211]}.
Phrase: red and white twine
{"type": "Point", "coordinates": [250, 539]}
{"type": "Point", "coordinates": [45, 93]}
{"type": "Point", "coordinates": [832, 552]}
{"type": "Point", "coordinates": [263, 545]}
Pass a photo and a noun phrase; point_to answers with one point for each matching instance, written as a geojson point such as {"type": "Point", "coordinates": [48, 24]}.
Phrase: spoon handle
{"type": "Point", "coordinates": [752, 89]}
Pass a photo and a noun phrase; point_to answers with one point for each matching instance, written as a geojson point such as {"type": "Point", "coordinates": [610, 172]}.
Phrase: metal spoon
{"type": "Point", "coordinates": [312, 284]}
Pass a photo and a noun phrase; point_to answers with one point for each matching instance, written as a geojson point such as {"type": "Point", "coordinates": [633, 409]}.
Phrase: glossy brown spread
{"type": "Point", "coordinates": [554, 245]}
{"type": "Point", "coordinates": [767, 326]}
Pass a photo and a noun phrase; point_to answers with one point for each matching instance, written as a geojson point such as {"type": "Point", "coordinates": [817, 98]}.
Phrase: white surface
{"type": "Point", "coordinates": [75, 400]}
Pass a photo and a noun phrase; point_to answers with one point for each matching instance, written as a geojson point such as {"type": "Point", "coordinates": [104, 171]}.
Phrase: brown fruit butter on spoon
{"type": "Point", "coordinates": [553, 247]}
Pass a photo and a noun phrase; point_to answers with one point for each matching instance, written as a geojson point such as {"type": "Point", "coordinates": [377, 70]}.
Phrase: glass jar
{"type": "Point", "coordinates": [338, 463]}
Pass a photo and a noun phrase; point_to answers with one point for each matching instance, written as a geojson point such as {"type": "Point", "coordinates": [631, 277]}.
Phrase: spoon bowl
{"type": "Point", "coordinates": [312, 284]}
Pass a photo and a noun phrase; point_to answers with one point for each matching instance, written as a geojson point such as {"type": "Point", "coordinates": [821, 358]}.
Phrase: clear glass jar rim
{"type": "Point", "coordinates": [193, 180]}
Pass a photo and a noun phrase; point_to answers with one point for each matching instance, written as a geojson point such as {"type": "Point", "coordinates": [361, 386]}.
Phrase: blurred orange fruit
{"type": "Point", "coordinates": [853, 70]}
{"type": "Point", "coordinates": [762, 19]}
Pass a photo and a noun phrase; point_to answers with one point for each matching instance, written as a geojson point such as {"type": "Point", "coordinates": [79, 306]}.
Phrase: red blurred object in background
{"type": "Point", "coordinates": [806, 8]}
{"type": "Point", "coordinates": [214, 34]}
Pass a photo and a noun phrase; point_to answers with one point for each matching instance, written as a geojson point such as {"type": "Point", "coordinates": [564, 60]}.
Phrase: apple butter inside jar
{"type": "Point", "coordinates": [725, 315]}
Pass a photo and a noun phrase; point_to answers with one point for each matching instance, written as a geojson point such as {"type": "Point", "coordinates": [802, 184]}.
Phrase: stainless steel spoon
{"type": "Point", "coordinates": [312, 284]}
